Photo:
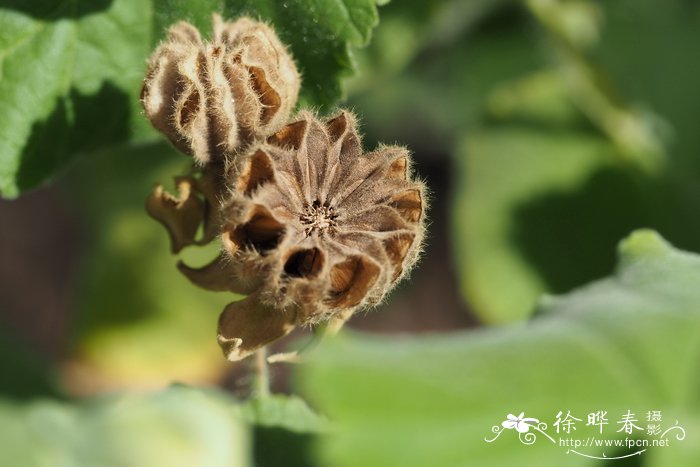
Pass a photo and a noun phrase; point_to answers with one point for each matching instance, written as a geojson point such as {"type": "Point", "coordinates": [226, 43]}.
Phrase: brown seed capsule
{"type": "Point", "coordinates": [212, 98]}
{"type": "Point", "coordinates": [314, 228]}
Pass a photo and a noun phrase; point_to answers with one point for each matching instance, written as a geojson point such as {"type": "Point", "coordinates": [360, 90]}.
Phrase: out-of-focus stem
{"type": "Point", "coordinates": [260, 384]}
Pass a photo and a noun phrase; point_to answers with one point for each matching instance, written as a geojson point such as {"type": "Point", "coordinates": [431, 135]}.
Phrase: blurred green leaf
{"type": "Point", "coordinates": [573, 28]}
{"type": "Point", "coordinates": [648, 49]}
{"type": "Point", "coordinates": [411, 28]}
{"type": "Point", "coordinates": [536, 200]}
{"type": "Point", "coordinates": [284, 429]}
{"type": "Point", "coordinates": [628, 342]}
{"type": "Point", "coordinates": [24, 375]}
{"type": "Point", "coordinates": [288, 412]}
{"type": "Point", "coordinates": [139, 321]}
{"type": "Point", "coordinates": [177, 427]}
{"type": "Point", "coordinates": [320, 33]}
{"type": "Point", "coordinates": [533, 209]}
{"type": "Point", "coordinates": [445, 87]}
{"type": "Point", "coordinates": [69, 82]}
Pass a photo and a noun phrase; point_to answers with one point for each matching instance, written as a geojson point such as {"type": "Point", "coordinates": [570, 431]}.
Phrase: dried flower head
{"type": "Point", "coordinates": [212, 98]}
{"type": "Point", "coordinates": [313, 229]}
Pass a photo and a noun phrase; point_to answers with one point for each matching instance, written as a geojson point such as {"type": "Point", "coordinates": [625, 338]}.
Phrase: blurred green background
{"type": "Point", "coordinates": [548, 131]}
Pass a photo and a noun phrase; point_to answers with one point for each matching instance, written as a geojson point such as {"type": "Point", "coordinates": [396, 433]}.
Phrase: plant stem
{"type": "Point", "coordinates": [260, 385]}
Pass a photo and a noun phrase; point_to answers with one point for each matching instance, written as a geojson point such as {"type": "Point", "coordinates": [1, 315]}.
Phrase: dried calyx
{"type": "Point", "coordinates": [312, 229]}
{"type": "Point", "coordinates": [212, 98]}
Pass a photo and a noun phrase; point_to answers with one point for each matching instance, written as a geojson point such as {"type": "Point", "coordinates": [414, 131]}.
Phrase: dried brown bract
{"type": "Point", "coordinates": [197, 204]}
{"type": "Point", "coordinates": [313, 229]}
{"type": "Point", "coordinates": [213, 98]}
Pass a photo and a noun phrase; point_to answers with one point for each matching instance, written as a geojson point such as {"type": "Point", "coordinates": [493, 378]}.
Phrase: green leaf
{"type": "Point", "coordinates": [320, 33]}
{"type": "Point", "coordinates": [628, 342]}
{"type": "Point", "coordinates": [288, 412]}
{"type": "Point", "coordinates": [176, 427]}
{"type": "Point", "coordinates": [69, 80]}
{"type": "Point", "coordinates": [527, 215]}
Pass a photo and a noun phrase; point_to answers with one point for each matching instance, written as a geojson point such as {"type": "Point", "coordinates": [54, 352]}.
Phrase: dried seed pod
{"type": "Point", "coordinates": [321, 229]}
{"type": "Point", "coordinates": [212, 98]}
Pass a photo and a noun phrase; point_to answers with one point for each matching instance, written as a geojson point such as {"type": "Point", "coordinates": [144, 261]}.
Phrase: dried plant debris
{"type": "Point", "coordinates": [312, 228]}
{"type": "Point", "coordinates": [212, 98]}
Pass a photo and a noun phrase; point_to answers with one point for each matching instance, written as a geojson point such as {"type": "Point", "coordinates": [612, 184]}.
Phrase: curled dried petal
{"type": "Point", "coordinates": [221, 275]}
{"type": "Point", "coordinates": [180, 215]}
{"type": "Point", "coordinates": [249, 324]}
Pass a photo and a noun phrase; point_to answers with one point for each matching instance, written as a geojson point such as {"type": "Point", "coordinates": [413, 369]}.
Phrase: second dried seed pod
{"type": "Point", "coordinates": [313, 230]}
{"type": "Point", "coordinates": [212, 98]}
